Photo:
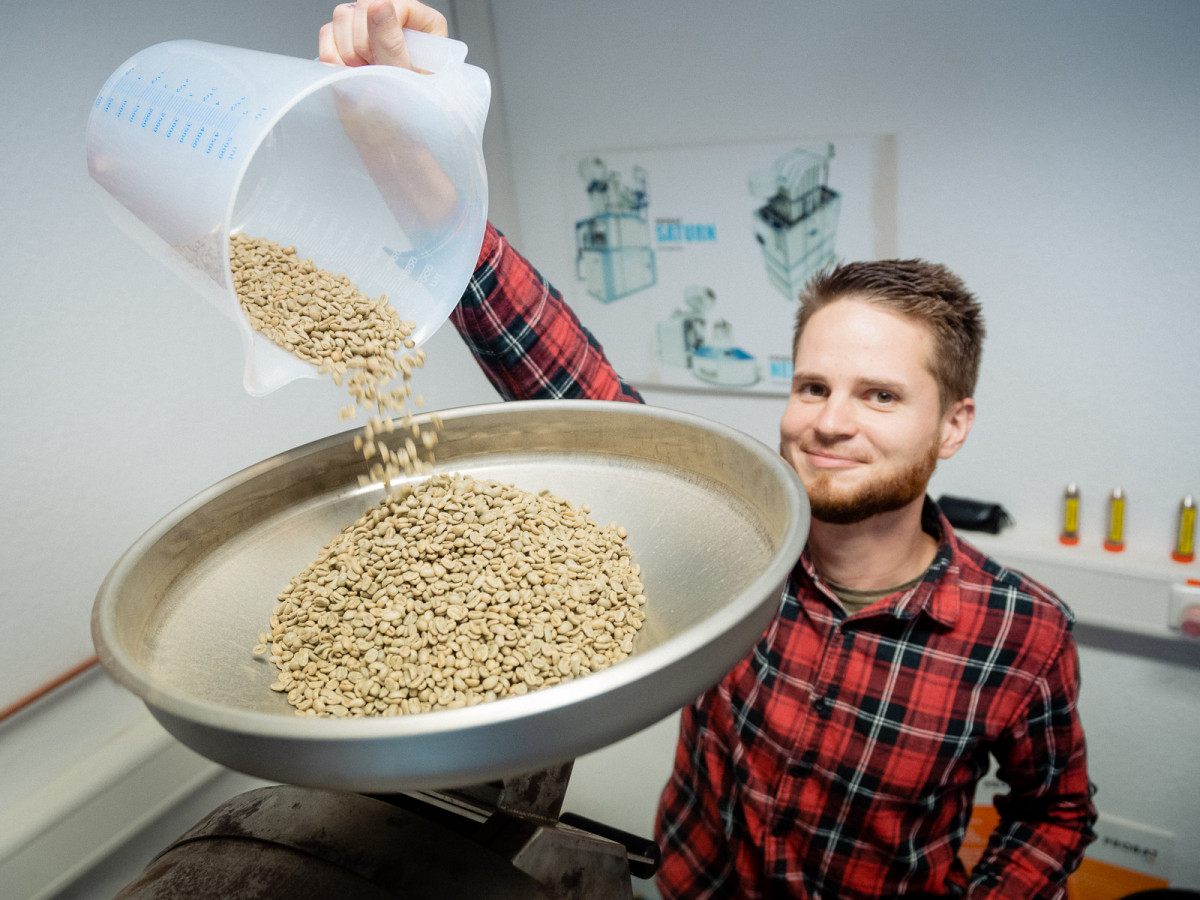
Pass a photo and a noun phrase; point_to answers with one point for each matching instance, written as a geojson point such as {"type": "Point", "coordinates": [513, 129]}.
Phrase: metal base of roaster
{"type": "Point", "coordinates": [496, 841]}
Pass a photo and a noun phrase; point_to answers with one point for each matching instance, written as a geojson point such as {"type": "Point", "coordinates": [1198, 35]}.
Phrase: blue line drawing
{"type": "Point", "coordinates": [685, 340]}
{"type": "Point", "coordinates": [797, 226]}
{"type": "Point", "coordinates": [613, 254]}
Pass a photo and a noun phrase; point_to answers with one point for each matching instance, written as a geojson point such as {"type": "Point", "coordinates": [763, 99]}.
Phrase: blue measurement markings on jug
{"type": "Point", "coordinates": [408, 261]}
{"type": "Point", "coordinates": [206, 123]}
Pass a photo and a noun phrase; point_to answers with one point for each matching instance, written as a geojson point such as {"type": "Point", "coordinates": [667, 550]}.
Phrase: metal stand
{"type": "Point", "coordinates": [501, 841]}
{"type": "Point", "coordinates": [520, 819]}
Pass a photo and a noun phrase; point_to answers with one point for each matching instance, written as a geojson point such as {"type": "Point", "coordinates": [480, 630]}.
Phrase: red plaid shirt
{"type": "Point", "coordinates": [526, 339]}
{"type": "Point", "coordinates": [839, 759]}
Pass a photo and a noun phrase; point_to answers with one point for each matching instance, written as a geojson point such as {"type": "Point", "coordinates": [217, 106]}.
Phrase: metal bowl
{"type": "Point", "coordinates": [716, 520]}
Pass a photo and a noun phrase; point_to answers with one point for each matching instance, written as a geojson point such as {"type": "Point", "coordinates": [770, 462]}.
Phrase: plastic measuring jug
{"type": "Point", "coordinates": [374, 172]}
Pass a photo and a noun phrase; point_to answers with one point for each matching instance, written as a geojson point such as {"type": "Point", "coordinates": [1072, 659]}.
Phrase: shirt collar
{"type": "Point", "coordinates": [935, 595]}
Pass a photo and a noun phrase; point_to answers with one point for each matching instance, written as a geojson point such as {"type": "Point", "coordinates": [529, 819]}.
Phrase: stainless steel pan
{"type": "Point", "coordinates": [715, 519]}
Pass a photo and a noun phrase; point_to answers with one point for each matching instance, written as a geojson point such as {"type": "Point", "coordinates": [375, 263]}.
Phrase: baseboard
{"type": "Point", "coordinates": [54, 835]}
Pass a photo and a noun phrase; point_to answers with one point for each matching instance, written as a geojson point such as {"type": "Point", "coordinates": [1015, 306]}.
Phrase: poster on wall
{"type": "Point", "coordinates": [688, 261]}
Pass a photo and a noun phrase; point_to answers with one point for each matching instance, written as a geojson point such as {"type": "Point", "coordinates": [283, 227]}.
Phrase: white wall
{"type": "Point", "coordinates": [1047, 152]}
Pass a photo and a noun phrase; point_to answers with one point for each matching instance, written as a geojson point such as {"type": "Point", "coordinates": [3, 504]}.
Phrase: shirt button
{"type": "Point", "coordinates": [823, 706]}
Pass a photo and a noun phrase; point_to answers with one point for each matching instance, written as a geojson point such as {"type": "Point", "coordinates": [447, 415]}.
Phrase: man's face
{"type": "Point", "coordinates": [863, 424]}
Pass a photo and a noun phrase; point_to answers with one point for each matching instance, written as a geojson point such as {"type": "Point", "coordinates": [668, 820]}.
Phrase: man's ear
{"type": "Point", "coordinates": [956, 425]}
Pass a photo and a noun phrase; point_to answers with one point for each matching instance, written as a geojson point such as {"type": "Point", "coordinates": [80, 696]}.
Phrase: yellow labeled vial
{"type": "Point", "coordinates": [1185, 533]}
{"type": "Point", "coordinates": [1114, 539]}
{"type": "Point", "coordinates": [1070, 515]}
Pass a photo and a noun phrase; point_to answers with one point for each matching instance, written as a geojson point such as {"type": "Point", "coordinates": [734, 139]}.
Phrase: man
{"type": "Point", "coordinates": [839, 759]}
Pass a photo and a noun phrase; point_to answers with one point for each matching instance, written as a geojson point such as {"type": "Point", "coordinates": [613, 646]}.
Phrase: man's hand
{"type": "Point", "coordinates": [370, 32]}
{"type": "Point", "coordinates": [410, 179]}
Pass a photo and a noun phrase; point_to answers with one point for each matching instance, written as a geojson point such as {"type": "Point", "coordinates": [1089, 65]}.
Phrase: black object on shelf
{"type": "Point", "coordinates": [974, 515]}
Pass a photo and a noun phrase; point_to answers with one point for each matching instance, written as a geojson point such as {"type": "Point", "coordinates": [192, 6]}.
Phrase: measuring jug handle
{"type": "Point", "coordinates": [468, 87]}
{"type": "Point", "coordinates": [431, 52]}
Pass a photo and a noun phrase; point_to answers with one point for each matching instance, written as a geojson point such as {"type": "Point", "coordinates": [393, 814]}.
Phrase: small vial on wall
{"type": "Point", "coordinates": [1185, 532]}
{"type": "Point", "coordinates": [1070, 515]}
{"type": "Point", "coordinates": [1114, 538]}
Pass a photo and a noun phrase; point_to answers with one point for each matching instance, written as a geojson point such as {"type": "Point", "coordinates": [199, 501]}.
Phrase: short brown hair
{"type": "Point", "coordinates": [929, 293]}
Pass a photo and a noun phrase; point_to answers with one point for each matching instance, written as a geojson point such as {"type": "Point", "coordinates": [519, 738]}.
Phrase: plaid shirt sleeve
{"type": "Point", "coordinates": [1045, 819]}
{"type": "Point", "coordinates": [527, 341]}
{"type": "Point", "coordinates": [696, 831]}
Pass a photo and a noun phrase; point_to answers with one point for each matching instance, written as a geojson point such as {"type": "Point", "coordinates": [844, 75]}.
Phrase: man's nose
{"type": "Point", "coordinates": [837, 418]}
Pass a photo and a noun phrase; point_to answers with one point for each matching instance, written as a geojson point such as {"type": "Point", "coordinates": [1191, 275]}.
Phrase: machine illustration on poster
{"type": "Point", "coordinates": [688, 261]}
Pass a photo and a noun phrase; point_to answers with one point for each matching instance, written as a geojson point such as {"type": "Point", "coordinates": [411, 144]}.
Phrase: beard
{"type": "Point", "coordinates": [885, 494]}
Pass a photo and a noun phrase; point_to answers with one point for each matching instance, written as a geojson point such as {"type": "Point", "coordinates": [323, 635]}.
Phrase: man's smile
{"type": "Point", "coordinates": [827, 459]}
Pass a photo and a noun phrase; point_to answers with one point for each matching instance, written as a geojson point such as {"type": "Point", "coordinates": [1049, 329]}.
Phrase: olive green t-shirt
{"type": "Point", "coordinates": [856, 601]}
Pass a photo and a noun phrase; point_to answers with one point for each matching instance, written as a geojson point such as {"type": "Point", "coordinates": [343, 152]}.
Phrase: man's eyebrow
{"type": "Point", "coordinates": [883, 384]}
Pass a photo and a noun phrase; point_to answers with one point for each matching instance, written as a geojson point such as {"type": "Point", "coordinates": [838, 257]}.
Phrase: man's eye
{"type": "Point", "coordinates": [884, 397]}
{"type": "Point", "coordinates": [811, 390]}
